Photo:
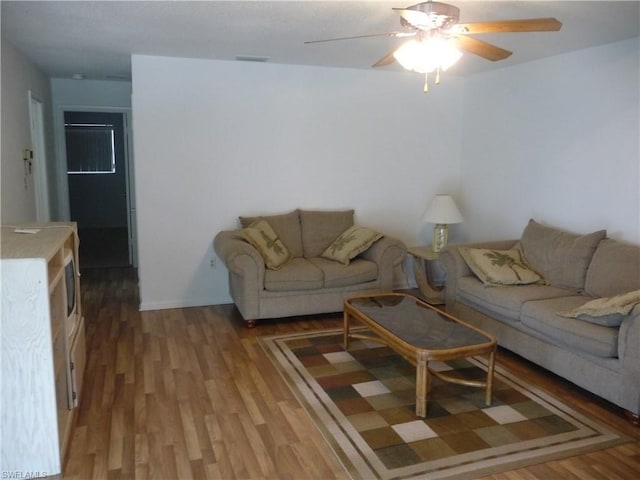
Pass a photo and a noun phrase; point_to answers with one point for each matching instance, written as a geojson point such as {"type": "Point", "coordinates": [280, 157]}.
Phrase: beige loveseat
{"type": "Point", "coordinates": [308, 271]}
{"type": "Point", "coordinates": [595, 345]}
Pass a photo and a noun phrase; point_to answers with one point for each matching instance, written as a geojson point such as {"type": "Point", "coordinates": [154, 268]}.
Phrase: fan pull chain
{"type": "Point", "coordinates": [426, 80]}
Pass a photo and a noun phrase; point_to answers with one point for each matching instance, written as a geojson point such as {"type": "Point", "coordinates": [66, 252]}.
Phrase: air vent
{"type": "Point", "coordinates": [251, 58]}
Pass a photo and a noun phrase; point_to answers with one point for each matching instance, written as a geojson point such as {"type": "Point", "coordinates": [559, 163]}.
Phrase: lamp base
{"type": "Point", "coordinates": [440, 236]}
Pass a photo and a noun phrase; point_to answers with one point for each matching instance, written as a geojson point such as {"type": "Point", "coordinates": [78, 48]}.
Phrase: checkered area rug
{"type": "Point", "coordinates": [363, 402]}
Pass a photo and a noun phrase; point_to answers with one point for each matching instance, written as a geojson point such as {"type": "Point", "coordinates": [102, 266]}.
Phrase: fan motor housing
{"type": "Point", "coordinates": [434, 15]}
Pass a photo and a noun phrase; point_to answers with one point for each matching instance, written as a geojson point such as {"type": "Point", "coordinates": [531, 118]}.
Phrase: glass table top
{"type": "Point", "coordinates": [417, 323]}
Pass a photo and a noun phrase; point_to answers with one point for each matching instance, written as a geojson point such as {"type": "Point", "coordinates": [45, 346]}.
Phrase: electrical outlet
{"type": "Point", "coordinates": [213, 264]}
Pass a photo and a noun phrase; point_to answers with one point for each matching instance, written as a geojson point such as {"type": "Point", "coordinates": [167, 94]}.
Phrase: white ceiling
{"type": "Point", "coordinates": [97, 38]}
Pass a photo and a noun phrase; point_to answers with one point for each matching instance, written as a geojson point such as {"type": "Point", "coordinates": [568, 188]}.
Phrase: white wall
{"type": "Point", "coordinates": [81, 95]}
{"type": "Point", "coordinates": [92, 93]}
{"type": "Point", "coordinates": [19, 76]}
{"type": "Point", "coordinates": [556, 140]}
{"type": "Point", "coordinates": [214, 140]}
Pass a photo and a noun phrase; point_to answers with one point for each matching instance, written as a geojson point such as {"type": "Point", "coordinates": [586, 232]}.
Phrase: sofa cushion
{"type": "Point", "coordinates": [542, 317]}
{"type": "Point", "coordinates": [614, 269]}
{"type": "Point", "coordinates": [266, 241]}
{"type": "Point", "coordinates": [350, 243]}
{"type": "Point", "coordinates": [503, 303]}
{"type": "Point", "coordinates": [339, 275]}
{"type": "Point", "coordinates": [499, 267]}
{"type": "Point", "coordinates": [607, 311]}
{"type": "Point", "coordinates": [561, 258]}
{"type": "Point", "coordinates": [296, 274]}
{"type": "Point", "coordinates": [321, 228]}
{"type": "Point", "coordinates": [610, 320]}
{"type": "Point", "coordinates": [286, 226]}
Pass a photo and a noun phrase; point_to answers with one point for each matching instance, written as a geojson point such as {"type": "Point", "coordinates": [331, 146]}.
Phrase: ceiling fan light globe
{"type": "Point", "coordinates": [411, 56]}
{"type": "Point", "coordinates": [427, 55]}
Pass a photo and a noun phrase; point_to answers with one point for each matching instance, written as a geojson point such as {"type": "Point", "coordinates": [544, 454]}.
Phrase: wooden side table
{"type": "Point", "coordinates": [422, 254]}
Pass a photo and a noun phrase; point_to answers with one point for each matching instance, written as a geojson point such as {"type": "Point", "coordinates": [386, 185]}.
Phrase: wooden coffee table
{"type": "Point", "coordinates": [420, 333]}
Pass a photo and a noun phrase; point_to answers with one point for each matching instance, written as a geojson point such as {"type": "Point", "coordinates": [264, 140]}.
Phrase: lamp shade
{"type": "Point", "coordinates": [442, 210]}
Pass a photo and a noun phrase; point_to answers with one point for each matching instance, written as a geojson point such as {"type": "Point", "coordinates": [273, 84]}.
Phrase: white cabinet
{"type": "Point", "coordinates": [43, 346]}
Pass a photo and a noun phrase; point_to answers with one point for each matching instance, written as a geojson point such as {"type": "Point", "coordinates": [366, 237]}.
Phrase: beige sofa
{"type": "Point", "coordinates": [306, 283]}
{"type": "Point", "coordinates": [600, 353]}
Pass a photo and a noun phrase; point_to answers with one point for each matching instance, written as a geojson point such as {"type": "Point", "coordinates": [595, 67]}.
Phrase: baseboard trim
{"type": "Point", "coordinates": [184, 303]}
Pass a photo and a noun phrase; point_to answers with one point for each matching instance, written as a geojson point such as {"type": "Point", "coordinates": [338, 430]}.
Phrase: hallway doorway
{"type": "Point", "coordinates": [97, 174]}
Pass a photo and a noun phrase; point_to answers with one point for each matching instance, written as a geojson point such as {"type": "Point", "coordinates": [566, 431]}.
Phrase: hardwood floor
{"type": "Point", "coordinates": [188, 393]}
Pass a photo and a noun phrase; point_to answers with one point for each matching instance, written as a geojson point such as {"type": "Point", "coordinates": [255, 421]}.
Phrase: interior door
{"type": "Point", "coordinates": [39, 160]}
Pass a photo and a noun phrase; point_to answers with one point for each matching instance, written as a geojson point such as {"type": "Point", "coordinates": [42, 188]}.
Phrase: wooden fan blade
{"type": "Point", "coordinates": [503, 26]}
{"type": "Point", "coordinates": [480, 48]}
{"type": "Point", "coordinates": [388, 34]}
{"type": "Point", "coordinates": [388, 59]}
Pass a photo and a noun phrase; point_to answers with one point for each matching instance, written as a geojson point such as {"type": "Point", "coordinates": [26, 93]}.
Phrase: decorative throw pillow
{"type": "Point", "coordinates": [499, 267]}
{"type": "Point", "coordinates": [350, 243]}
{"type": "Point", "coordinates": [264, 239]}
{"type": "Point", "coordinates": [606, 311]}
{"type": "Point", "coordinates": [319, 228]}
{"type": "Point", "coordinates": [286, 226]}
{"type": "Point", "coordinates": [562, 258]}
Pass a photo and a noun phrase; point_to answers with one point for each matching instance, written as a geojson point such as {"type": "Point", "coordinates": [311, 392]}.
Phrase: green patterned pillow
{"type": "Point", "coordinates": [499, 267]}
{"type": "Point", "coordinates": [350, 243]}
{"type": "Point", "coordinates": [264, 239]}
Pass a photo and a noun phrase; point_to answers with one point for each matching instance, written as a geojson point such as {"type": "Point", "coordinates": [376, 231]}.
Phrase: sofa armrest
{"type": "Point", "coordinates": [239, 256]}
{"type": "Point", "coordinates": [455, 266]}
{"type": "Point", "coordinates": [629, 341]}
{"type": "Point", "coordinates": [387, 253]}
{"type": "Point", "coordinates": [246, 271]}
{"type": "Point", "coordinates": [629, 354]}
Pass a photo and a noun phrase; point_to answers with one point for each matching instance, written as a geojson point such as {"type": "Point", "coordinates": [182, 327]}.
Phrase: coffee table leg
{"type": "Point", "coordinates": [490, 378]}
{"type": "Point", "coordinates": [423, 379]}
{"type": "Point", "coordinates": [346, 329]}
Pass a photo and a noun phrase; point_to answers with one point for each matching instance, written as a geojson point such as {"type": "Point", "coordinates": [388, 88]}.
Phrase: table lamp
{"type": "Point", "coordinates": [442, 211]}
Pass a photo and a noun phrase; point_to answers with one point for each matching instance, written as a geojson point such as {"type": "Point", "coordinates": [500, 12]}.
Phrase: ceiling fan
{"type": "Point", "coordinates": [439, 38]}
